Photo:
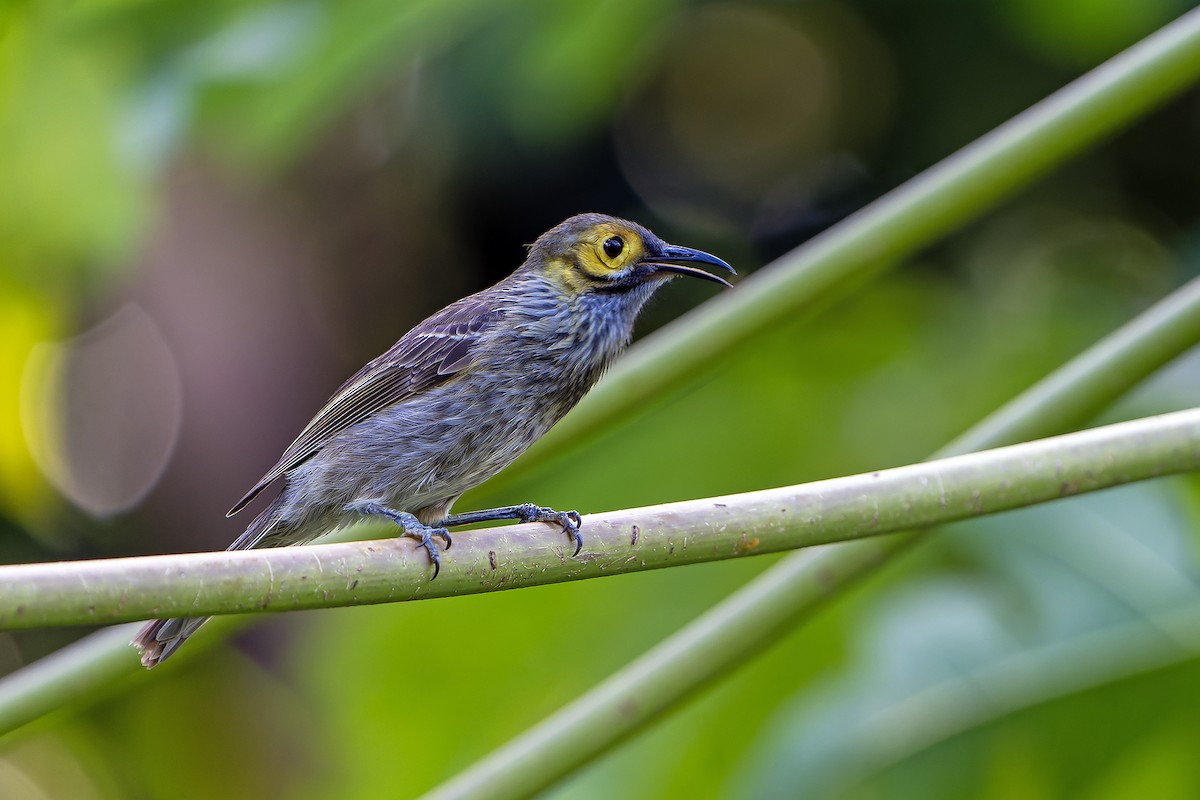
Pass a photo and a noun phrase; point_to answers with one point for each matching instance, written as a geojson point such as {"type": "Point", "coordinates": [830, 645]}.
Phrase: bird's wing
{"type": "Point", "coordinates": [424, 357]}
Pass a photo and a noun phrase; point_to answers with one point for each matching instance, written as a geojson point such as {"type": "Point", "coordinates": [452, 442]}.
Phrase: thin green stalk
{"type": "Point", "coordinates": [730, 634]}
{"type": "Point", "coordinates": [694, 531]}
{"type": "Point", "coordinates": [936, 202]}
{"type": "Point", "coordinates": [952, 193]}
{"type": "Point", "coordinates": [57, 680]}
{"type": "Point", "coordinates": [749, 621]}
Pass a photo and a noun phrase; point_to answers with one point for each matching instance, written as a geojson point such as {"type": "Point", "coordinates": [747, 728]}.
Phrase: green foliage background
{"type": "Point", "coordinates": [278, 190]}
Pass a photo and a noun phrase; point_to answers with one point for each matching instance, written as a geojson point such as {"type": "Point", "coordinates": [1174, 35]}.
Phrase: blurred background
{"type": "Point", "coordinates": [211, 214]}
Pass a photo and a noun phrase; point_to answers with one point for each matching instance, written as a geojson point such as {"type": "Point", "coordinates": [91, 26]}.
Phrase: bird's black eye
{"type": "Point", "coordinates": [613, 246]}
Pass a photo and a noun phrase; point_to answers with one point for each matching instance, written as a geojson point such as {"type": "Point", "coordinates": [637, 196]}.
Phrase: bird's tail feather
{"type": "Point", "coordinates": [162, 637]}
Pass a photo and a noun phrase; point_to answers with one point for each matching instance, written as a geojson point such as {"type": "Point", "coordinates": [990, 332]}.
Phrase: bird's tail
{"type": "Point", "coordinates": [162, 637]}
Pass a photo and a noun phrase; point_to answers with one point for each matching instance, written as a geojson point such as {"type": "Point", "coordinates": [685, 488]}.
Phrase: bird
{"type": "Point", "coordinates": [460, 396]}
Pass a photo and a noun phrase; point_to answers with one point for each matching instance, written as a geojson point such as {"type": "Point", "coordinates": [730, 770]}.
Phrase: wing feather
{"type": "Point", "coordinates": [426, 356]}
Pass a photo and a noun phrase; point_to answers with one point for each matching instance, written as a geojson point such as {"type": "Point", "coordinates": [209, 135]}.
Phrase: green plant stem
{"type": "Point", "coordinates": [919, 212]}
{"type": "Point", "coordinates": [733, 632]}
{"type": "Point", "coordinates": [391, 570]}
{"type": "Point", "coordinates": [56, 680]}
{"type": "Point", "coordinates": [759, 614]}
{"type": "Point", "coordinates": [751, 619]}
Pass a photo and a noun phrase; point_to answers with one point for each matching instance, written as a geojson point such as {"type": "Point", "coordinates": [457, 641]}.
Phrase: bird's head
{"type": "Point", "coordinates": [596, 253]}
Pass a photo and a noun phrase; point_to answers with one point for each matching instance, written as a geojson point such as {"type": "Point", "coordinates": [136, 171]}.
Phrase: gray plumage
{"type": "Point", "coordinates": [461, 395]}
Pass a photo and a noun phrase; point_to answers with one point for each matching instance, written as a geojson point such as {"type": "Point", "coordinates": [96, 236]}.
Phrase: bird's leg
{"type": "Point", "coordinates": [412, 527]}
{"type": "Point", "coordinates": [569, 521]}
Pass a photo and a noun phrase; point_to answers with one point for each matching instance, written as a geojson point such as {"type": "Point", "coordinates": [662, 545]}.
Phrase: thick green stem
{"type": "Point", "coordinates": [926, 208]}
{"type": "Point", "coordinates": [717, 528]}
{"type": "Point", "coordinates": [757, 615]}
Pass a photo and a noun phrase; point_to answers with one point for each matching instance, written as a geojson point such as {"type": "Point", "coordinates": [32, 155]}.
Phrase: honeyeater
{"type": "Point", "coordinates": [460, 396]}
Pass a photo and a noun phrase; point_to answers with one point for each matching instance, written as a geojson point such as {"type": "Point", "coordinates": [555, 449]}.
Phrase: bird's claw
{"type": "Point", "coordinates": [569, 521]}
{"type": "Point", "coordinates": [412, 527]}
{"type": "Point", "coordinates": [426, 533]}
{"type": "Point", "coordinates": [445, 534]}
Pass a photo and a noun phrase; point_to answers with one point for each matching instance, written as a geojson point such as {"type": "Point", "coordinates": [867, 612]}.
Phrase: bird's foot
{"type": "Point", "coordinates": [424, 534]}
{"type": "Point", "coordinates": [569, 521]}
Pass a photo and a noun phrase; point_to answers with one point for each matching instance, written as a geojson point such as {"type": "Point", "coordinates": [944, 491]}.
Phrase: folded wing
{"type": "Point", "coordinates": [426, 356]}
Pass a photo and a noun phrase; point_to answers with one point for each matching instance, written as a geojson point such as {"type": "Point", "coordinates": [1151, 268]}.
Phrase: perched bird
{"type": "Point", "coordinates": [460, 396]}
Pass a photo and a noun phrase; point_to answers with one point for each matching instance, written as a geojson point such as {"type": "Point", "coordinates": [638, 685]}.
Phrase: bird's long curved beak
{"type": "Point", "coordinates": [673, 253]}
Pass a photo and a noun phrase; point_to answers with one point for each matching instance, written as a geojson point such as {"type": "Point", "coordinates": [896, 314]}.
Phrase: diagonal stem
{"type": "Point", "coordinates": [747, 622]}
{"type": "Point", "coordinates": [750, 620]}
{"type": "Point", "coordinates": [938, 201]}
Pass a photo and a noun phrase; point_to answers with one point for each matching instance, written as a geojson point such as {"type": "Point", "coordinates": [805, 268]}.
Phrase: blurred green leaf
{"type": "Point", "coordinates": [1078, 32]}
{"type": "Point", "coordinates": [553, 88]}
{"type": "Point", "coordinates": [66, 200]}
{"type": "Point", "coordinates": [346, 50]}
{"type": "Point", "coordinates": [1059, 606]}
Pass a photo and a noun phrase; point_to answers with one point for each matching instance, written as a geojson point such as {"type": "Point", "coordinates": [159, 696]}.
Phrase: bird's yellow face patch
{"type": "Point", "coordinates": [600, 254]}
